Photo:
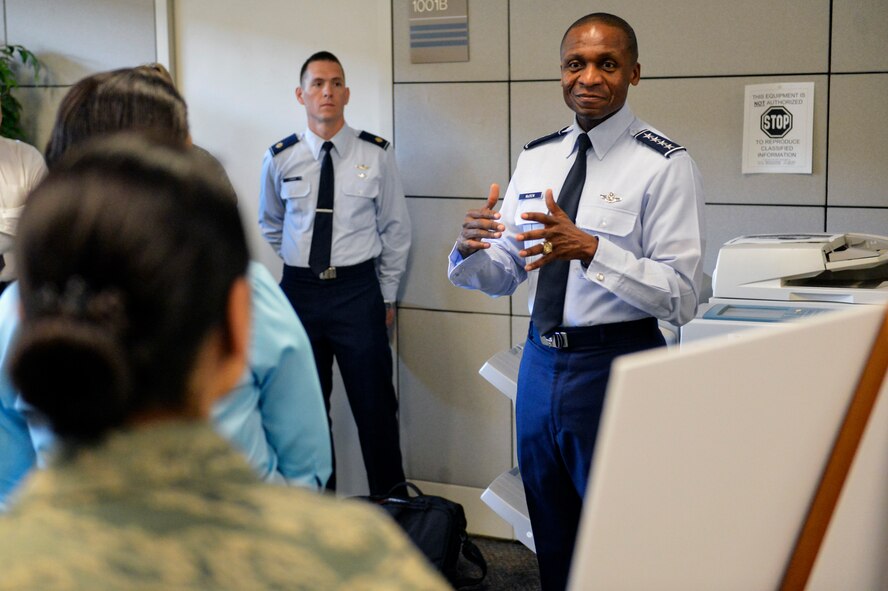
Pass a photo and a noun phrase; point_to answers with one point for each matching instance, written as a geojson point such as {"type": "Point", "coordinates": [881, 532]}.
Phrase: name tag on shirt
{"type": "Point", "coordinates": [524, 196]}
{"type": "Point", "coordinates": [292, 178]}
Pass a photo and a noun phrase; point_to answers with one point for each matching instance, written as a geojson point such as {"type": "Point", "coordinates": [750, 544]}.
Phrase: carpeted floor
{"type": "Point", "coordinates": [510, 566]}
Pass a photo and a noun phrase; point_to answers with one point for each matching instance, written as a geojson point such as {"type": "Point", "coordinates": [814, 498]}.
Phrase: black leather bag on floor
{"type": "Point", "coordinates": [438, 528]}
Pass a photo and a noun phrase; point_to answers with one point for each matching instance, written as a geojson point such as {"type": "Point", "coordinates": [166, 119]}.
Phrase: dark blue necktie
{"type": "Point", "coordinates": [548, 303]}
{"type": "Point", "coordinates": [322, 236]}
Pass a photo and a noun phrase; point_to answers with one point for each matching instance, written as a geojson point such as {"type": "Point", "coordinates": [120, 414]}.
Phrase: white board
{"type": "Point", "coordinates": [708, 458]}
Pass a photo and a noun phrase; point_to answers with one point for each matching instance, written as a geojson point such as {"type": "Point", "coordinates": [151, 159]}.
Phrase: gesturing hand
{"type": "Point", "coordinates": [479, 224]}
{"type": "Point", "coordinates": [565, 240]}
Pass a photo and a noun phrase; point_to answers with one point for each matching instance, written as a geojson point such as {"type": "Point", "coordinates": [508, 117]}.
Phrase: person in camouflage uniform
{"type": "Point", "coordinates": [128, 336]}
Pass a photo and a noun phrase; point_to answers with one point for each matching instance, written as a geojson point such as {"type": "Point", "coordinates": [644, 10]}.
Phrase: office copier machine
{"type": "Point", "coordinates": [771, 278]}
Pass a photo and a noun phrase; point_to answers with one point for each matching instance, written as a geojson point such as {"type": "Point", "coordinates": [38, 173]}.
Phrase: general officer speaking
{"type": "Point", "coordinates": [604, 218]}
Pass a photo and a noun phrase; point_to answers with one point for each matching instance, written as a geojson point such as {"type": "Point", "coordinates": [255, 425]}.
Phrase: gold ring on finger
{"type": "Point", "coordinates": [547, 247]}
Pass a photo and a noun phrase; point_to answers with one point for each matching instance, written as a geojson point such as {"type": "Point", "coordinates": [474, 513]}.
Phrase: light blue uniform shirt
{"type": "Point", "coordinates": [645, 208]}
{"type": "Point", "coordinates": [370, 217]}
{"type": "Point", "coordinates": [275, 415]}
{"type": "Point", "coordinates": [16, 451]}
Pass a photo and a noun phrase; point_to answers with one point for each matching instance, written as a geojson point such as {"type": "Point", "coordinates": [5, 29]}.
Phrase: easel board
{"type": "Point", "coordinates": [708, 457]}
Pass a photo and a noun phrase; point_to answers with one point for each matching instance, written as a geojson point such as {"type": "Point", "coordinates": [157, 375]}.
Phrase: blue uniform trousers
{"type": "Point", "coordinates": [345, 319]}
{"type": "Point", "coordinates": [558, 408]}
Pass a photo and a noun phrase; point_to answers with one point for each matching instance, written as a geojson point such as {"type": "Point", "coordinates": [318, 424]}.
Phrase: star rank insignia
{"type": "Point", "coordinates": [659, 143]}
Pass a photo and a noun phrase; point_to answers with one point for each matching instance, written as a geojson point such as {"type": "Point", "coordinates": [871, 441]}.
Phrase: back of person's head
{"type": "Point", "coordinates": [128, 253]}
{"type": "Point", "coordinates": [127, 99]}
{"type": "Point", "coordinates": [72, 123]}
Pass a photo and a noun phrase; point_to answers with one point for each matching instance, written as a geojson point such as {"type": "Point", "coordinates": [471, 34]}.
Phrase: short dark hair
{"type": "Point", "coordinates": [127, 254]}
{"type": "Point", "coordinates": [610, 20]}
{"type": "Point", "coordinates": [124, 99]}
{"type": "Point", "coordinates": [320, 56]}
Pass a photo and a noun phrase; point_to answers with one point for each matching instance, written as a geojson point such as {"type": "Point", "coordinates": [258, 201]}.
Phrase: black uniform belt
{"type": "Point", "coordinates": [367, 266]}
{"type": "Point", "coordinates": [586, 336]}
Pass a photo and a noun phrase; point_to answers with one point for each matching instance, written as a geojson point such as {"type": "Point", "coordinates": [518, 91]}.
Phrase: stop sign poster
{"type": "Point", "coordinates": [778, 127]}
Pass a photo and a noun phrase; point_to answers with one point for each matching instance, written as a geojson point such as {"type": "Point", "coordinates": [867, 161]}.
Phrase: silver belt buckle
{"type": "Point", "coordinates": [329, 273]}
{"type": "Point", "coordinates": [558, 340]}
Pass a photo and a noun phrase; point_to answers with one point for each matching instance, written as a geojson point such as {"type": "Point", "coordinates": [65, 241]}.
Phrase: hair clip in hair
{"type": "Point", "coordinates": [73, 300]}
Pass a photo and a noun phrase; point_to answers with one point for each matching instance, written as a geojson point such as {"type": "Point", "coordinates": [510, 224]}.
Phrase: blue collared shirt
{"type": "Point", "coordinates": [645, 208]}
{"type": "Point", "coordinates": [370, 217]}
{"type": "Point", "coordinates": [275, 415]}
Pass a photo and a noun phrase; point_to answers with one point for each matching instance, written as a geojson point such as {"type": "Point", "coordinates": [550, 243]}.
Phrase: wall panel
{"type": "Point", "coordinates": [452, 139]}
{"type": "Point", "coordinates": [706, 116]}
{"type": "Point", "coordinates": [856, 219]}
{"type": "Point", "coordinates": [859, 39]}
{"type": "Point", "coordinates": [858, 150]}
{"type": "Point", "coordinates": [488, 46]}
{"type": "Point", "coordinates": [458, 425]}
{"type": "Point", "coordinates": [436, 224]}
{"type": "Point", "coordinates": [688, 38]}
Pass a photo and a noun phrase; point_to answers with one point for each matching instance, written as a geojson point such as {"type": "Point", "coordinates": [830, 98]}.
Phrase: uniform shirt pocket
{"type": "Point", "coordinates": [357, 211]}
{"type": "Point", "coordinates": [607, 220]}
{"type": "Point", "coordinates": [300, 208]}
{"type": "Point", "coordinates": [530, 205]}
{"type": "Point", "coordinates": [534, 205]}
{"type": "Point", "coordinates": [361, 185]}
{"type": "Point", "coordinates": [295, 189]}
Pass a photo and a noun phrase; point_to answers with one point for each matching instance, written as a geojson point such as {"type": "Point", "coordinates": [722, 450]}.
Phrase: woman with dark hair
{"type": "Point", "coordinates": [275, 415]}
{"type": "Point", "coordinates": [128, 98]}
{"type": "Point", "coordinates": [144, 330]}
{"type": "Point", "coordinates": [108, 301]}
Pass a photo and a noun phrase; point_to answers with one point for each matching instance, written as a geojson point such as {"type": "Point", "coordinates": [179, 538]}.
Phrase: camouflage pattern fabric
{"type": "Point", "coordinates": [173, 506]}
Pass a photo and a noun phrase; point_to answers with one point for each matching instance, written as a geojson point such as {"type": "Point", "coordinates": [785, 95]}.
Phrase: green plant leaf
{"type": "Point", "coordinates": [10, 71]}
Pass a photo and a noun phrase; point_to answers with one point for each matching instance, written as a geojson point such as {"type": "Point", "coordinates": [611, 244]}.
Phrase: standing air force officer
{"type": "Point", "coordinates": [604, 218]}
{"type": "Point", "coordinates": [333, 208]}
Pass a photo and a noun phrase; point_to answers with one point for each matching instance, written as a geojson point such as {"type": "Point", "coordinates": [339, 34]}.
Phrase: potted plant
{"type": "Point", "coordinates": [10, 57]}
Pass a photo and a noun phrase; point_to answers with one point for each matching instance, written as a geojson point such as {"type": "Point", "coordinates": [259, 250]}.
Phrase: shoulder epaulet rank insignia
{"type": "Point", "coordinates": [659, 143]}
{"type": "Point", "coordinates": [374, 139]}
{"type": "Point", "coordinates": [290, 140]}
{"type": "Point", "coordinates": [546, 138]}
